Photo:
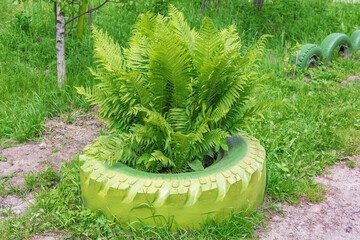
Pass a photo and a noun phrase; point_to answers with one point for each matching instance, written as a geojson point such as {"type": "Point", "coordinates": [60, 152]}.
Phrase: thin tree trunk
{"type": "Point", "coordinates": [90, 16]}
{"type": "Point", "coordinates": [258, 4]}
{"type": "Point", "coordinates": [81, 20]}
{"type": "Point", "coordinates": [60, 45]}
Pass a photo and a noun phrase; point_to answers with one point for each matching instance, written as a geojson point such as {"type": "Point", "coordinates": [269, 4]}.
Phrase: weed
{"type": "Point", "coordinates": [350, 164]}
{"type": "Point", "coordinates": [45, 179]}
{"type": "Point", "coordinates": [21, 22]}
{"type": "Point", "coordinates": [6, 212]}
{"type": "Point", "coordinates": [315, 192]}
{"type": "Point", "coordinates": [7, 188]}
{"type": "Point", "coordinates": [3, 159]}
{"type": "Point", "coordinates": [6, 143]}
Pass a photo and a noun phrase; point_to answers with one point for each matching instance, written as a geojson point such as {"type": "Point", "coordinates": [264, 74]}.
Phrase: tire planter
{"type": "Point", "coordinates": [236, 182]}
{"type": "Point", "coordinates": [334, 40]}
{"type": "Point", "coordinates": [355, 40]}
{"type": "Point", "coordinates": [309, 55]}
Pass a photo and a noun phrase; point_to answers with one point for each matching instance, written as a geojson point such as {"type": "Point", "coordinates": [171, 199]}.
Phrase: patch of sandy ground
{"type": "Point", "coordinates": [337, 217]}
{"type": "Point", "coordinates": [61, 142]}
{"type": "Point", "coordinates": [48, 236]}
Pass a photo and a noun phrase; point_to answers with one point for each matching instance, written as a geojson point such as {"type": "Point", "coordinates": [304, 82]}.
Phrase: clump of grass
{"type": "Point", "coordinates": [3, 159]}
{"type": "Point", "coordinates": [6, 212]}
{"type": "Point", "coordinates": [350, 164]}
{"type": "Point", "coordinates": [44, 179]}
{"type": "Point", "coordinates": [7, 188]}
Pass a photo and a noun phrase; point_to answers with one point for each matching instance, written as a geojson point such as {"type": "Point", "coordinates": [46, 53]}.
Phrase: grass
{"type": "Point", "coordinates": [317, 122]}
{"type": "Point", "coordinates": [311, 129]}
{"type": "Point", "coordinates": [28, 89]}
{"type": "Point", "coordinates": [350, 164]}
{"type": "Point", "coordinates": [6, 188]}
{"type": "Point", "coordinates": [45, 179]}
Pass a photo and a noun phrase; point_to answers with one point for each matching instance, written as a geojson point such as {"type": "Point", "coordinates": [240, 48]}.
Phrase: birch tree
{"type": "Point", "coordinates": [61, 7]}
{"type": "Point", "coordinates": [60, 30]}
{"type": "Point", "coordinates": [60, 44]}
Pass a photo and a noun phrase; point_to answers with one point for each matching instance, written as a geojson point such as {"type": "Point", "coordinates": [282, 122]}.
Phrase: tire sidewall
{"type": "Point", "coordinates": [333, 41]}
{"type": "Point", "coordinates": [235, 183]}
{"type": "Point", "coordinates": [307, 52]}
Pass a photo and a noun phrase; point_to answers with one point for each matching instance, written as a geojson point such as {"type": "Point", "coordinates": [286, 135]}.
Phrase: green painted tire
{"type": "Point", "coordinates": [355, 40]}
{"type": "Point", "coordinates": [333, 41]}
{"type": "Point", "coordinates": [308, 56]}
{"type": "Point", "coordinates": [236, 182]}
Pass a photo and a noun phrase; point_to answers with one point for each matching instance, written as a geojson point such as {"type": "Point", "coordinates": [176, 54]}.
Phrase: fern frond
{"type": "Point", "coordinates": [156, 158]}
{"type": "Point", "coordinates": [153, 118]}
{"type": "Point", "coordinates": [201, 130]}
{"type": "Point", "coordinates": [254, 54]}
{"type": "Point", "coordinates": [210, 140]}
{"type": "Point", "coordinates": [179, 119]}
{"type": "Point", "coordinates": [181, 143]}
{"type": "Point", "coordinates": [236, 113]}
{"type": "Point", "coordinates": [147, 24]}
{"type": "Point", "coordinates": [106, 149]}
{"type": "Point", "coordinates": [214, 75]}
{"type": "Point", "coordinates": [170, 74]}
{"type": "Point", "coordinates": [230, 39]}
{"type": "Point", "coordinates": [207, 44]}
{"type": "Point", "coordinates": [143, 135]}
{"type": "Point", "coordinates": [232, 94]}
{"type": "Point", "coordinates": [107, 52]}
{"type": "Point", "coordinates": [135, 87]}
{"type": "Point", "coordinates": [181, 28]}
{"type": "Point", "coordinates": [258, 107]}
{"type": "Point", "coordinates": [140, 44]}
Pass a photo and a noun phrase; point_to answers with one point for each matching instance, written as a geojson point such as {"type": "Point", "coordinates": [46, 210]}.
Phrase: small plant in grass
{"type": "Point", "coordinates": [6, 188]}
{"type": "Point", "coordinates": [6, 212]}
{"type": "Point", "coordinates": [174, 95]}
{"type": "Point", "coordinates": [289, 64]}
{"type": "Point", "coordinates": [3, 159]}
{"type": "Point", "coordinates": [46, 179]}
{"type": "Point", "coordinates": [350, 164]}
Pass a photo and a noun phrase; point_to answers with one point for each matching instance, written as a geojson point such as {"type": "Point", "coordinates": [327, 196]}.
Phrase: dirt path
{"type": "Point", "coordinates": [337, 217]}
{"type": "Point", "coordinates": [61, 141]}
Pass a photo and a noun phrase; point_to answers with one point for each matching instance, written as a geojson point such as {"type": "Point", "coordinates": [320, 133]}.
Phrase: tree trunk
{"type": "Point", "coordinates": [60, 45]}
{"type": "Point", "coordinates": [81, 21]}
{"type": "Point", "coordinates": [258, 4]}
{"type": "Point", "coordinates": [90, 16]}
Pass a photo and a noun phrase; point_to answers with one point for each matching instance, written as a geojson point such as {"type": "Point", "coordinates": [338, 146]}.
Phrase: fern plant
{"type": "Point", "coordinates": [174, 95]}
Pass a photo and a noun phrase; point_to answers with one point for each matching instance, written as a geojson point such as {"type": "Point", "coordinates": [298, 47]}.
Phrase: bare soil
{"type": "Point", "coordinates": [349, 81]}
{"type": "Point", "coordinates": [49, 236]}
{"type": "Point", "coordinates": [61, 141]}
{"type": "Point", "coordinates": [337, 217]}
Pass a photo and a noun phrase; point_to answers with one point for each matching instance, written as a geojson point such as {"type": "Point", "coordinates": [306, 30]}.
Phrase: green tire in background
{"type": "Point", "coordinates": [334, 41]}
{"type": "Point", "coordinates": [355, 40]}
{"type": "Point", "coordinates": [308, 56]}
{"type": "Point", "coordinates": [236, 182]}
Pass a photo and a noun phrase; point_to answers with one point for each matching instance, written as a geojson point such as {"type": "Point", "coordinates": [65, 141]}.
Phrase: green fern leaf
{"type": "Point", "coordinates": [107, 52]}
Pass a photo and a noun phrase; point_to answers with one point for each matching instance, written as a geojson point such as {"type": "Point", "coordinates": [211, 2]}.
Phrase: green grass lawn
{"type": "Point", "coordinates": [317, 122]}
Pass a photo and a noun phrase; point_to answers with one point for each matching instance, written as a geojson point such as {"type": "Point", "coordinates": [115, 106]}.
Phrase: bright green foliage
{"type": "Point", "coordinates": [174, 93]}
